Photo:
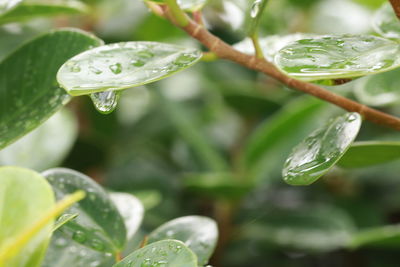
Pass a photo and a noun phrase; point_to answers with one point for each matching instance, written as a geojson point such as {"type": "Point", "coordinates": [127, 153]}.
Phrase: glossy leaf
{"type": "Point", "coordinates": [25, 197]}
{"type": "Point", "coordinates": [99, 224]}
{"type": "Point", "coordinates": [386, 23]}
{"type": "Point", "coordinates": [187, 5]}
{"type": "Point", "coordinates": [123, 65]}
{"type": "Point", "coordinates": [382, 237]}
{"type": "Point", "coordinates": [131, 210]}
{"type": "Point", "coordinates": [316, 154]}
{"type": "Point", "coordinates": [167, 253]}
{"type": "Point", "coordinates": [199, 233]}
{"type": "Point", "coordinates": [336, 57]}
{"type": "Point", "coordinates": [380, 89]}
{"type": "Point", "coordinates": [46, 146]}
{"type": "Point", "coordinates": [271, 45]}
{"type": "Point", "coordinates": [364, 154]}
{"type": "Point", "coordinates": [28, 9]}
{"type": "Point", "coordinates": [28, 81]}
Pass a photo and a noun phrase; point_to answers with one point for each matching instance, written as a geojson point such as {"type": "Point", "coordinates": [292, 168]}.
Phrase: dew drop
{"type": "Point", "coordinates": [145, 54]}
{"type": "Point", "coordinates": [146, 263]}
{"type": "Point", "coordinates": [255, 8]}
{"type": "Point", "coordinates": [352, 117]}
{"type": "Point", "coordinates": [97, 245]}
{"type": "Point", "coordinates": [95, 70]}
{"type": "Point", "coordinates": [116, 68]}
{"type": "Point", "coordinates": [137, 63]}
{"type": "Point", "coordinates": [79, 236]}
{"type": "Point", "coordinates": [105, 102]}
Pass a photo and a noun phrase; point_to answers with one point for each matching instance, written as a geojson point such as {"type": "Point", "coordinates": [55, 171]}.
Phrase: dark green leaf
{"type": "Point", "coordinates": [29, 94]}
{"type": "Point", "coordinates": [99, 224]}
{"type": "Point", "coordinates": [316, 154]}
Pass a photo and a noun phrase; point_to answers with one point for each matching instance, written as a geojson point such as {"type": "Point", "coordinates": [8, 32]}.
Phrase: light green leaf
{"type": "Point", "coordinates": [46, 146]}
{"type": "Point", "coordinates": [99, 224]}
{"type": "Point", "coordinates": [199, 233]}
{"type": "Point", "coordinates": [29, 94]}
{"type": "Point", "coordinates": [386, 23]}
{"type": "Point", "coordinates": [28, 9]}
{"type": "Point", "coordinates": [186, 5]}
{"type": "Point", "coordinates": [131, 209]}
{"type": "Point", "coordinates": [382, 237]}
{"type": "Point", "coordinates": [380, 89]}
{"type": "Point", "coordinates": [25, 197]}
{"type": "Point", "coordinates": [336, 57]}
{"type": "Point", "coordinates": [167, 253]}
{"type": "Point", "coordinates": [320, 151]}
{"type": "Point", "coordinates": [364, 154]}
{"type": "Point", "coordinates": [123, 65]}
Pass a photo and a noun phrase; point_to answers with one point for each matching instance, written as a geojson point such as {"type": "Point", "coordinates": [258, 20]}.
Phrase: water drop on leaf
{"type": "Point", "coordinates": [255, 8]}
{"type": "Point", "coordinates": [105, 102]}
{"type": "Point", "coordinates": [116, 68]}
{"type": "Point", "coordinates": [79, 236]}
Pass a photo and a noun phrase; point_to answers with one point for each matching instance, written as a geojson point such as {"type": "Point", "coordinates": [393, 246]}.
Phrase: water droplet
{"type": "Point", "coordinates": [73, 66]}
{"type": "Point", "coordinates": [95, 70]}
{"type": "Point", "coordinates": [137, 63]}
{"type": "Point", "coordinates": [352, 117]}
{"type": "Point", "coordinates": [116, 68]}
{"type": "Point", "coordinates": [97, 245]}
{"type": "Point", "coordinates": [79, 236]}
{"type": "Point", "coordinates": [105, 102]}
{"type": "Point", "coordinates": [255, 8]}
{"type": "Point", "coordinates": [145, 54]}
{"type": "Point", "coordinates": [146, 263]}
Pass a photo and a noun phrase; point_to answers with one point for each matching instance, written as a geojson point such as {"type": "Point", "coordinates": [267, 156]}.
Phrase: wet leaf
{"type": "Point", "coordinates": [364, 154]}
{"type": "Point", "coordinates": [131, 210]}
{"type": "Point", "coordinates": [386, 23]}
{"type": "Point", "coordinates": [99, 224]}
{"type": "Point", "coordinates": [199, 233]}
{"type": "Point", "coordinates": [186, 5]}
{"type": "Point", "coordinates": [16, 11]}
{"type": "Point", "coordinates": [50, 143]}
{"type": "Point", "coordinates": [28, 197]}
{"type": "Point", "coordinates": [123, 65]}
{"type": "Point", "coordinates": [380, 89]}
{"type": "Point", "coordinates": [336, 57]}
{"type": "Point", "coordinates": [167, 253]}
{"type": "Point", "coordinates": [316, 154]}
{"type": "Point", "coordinates": [28, 81]}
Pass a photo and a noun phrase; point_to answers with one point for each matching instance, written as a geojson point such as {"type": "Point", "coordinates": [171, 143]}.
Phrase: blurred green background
{"type": "Point", "coordinates": [179, 144]}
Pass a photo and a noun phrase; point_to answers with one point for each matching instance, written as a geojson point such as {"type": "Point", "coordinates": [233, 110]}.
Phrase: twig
{"type": "Point", "coordinates": [225, 51]}
{"type": "Point", "coordinates": [396, 7]}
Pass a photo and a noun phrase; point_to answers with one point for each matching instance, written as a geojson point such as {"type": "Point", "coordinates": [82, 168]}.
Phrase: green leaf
{"type": "Point", "coordinates": [46, 146]}
{"type": "Point", "coordinates": [29, 94]}
{"type": "Point", "coordinates": [186, 5]}
{"type": "Point", "coordinates": [123, 65]}
{"type": "Point", "coordinates": [131, 210]}
{"type": "Point", "coordinates": [386, 23]}
{"type": "Point", "coordinates": [28, 9]}
{"type": "Point", "coordinates": [63, 219]}
{"type": "Point", "coordinates": [167, 253]}
{"type": "Point", "coordinates": [320, 151]}
{"type": "Point", "coordinates": [99, 224]}
{"type": "Point", "coordinates": [25, 197]}
{"type": "Point", "coordinates": [379, 90]}
{"type": "Point", "coordinates": [199, 233]}
{"type": "Point", "coordinates": [271, 45]}
{"type": "Point", "coordinates": [364, 154]}
{"type": "Point", "coordinates": [336, 57]}
{"type": "Point", "coordinates": [318, 229]}
{"type": "Point", "coordinates": [381, 237]}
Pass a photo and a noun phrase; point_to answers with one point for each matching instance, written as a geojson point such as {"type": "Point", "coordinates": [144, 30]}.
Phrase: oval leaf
{"type": "Point", "coordinates": [28, 91]}
{"type": "Point", "coordinates": [316, 154]}
{"type": "Point", "coordinates": [364, 154]}
{"type": "Point", "coordinates": [25, 196]}
{"type": "Point", "coordinates": [99, 224]}
{"type": "Point", "coordinates": [167, 253]}
{"type": "Point", "coordinates": [199, 233]}
{"type": "Point", "coordinates": [336, 57]}
{"type": "Point", "coordinates": [386, 23]}
{"type": "Point", "coordinates": [123, 65]}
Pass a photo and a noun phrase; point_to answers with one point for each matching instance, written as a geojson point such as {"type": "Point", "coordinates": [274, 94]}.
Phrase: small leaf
{"type": "Point", "coordinates": [167, 253]}
{"type": "Point", "coordinates": [364, 154]}
{"type": "Point", "coordinates": [131, 209]}
{"type": "Point", "coordinates": [99, 224]}
{"type": "Point", "coordinates": [50, 143]}
{"type": "Point", "coordinates": [316, 154]}
{"type": "Point", "coordinates": [336, 57]}
{"type": "Point", "coordinates": [199, 233]}
{"type": "Point", "coordinates": [26, 197]}
{"type": "Point", "coordinates": [381, 237]}
{"type": "Point", "coordinates": [380, 89]}
{"type": "Point", "coordinates": [123, 65]}
{"type": "Point", "coordinates": [186, 5]}
{"type": "Point", "coordinates": [28, 9]}
{"type": "Point", "coordinates": [386, 23]}
{"type": "Point", "coordinates": [28, 81]}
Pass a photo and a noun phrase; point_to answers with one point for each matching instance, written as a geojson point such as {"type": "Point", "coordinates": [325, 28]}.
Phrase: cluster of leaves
{"type": "Point", "coordinates": [47, 72]}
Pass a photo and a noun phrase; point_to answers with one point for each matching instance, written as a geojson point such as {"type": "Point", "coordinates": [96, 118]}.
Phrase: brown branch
{"type": "Point", "coordinates": [225, 51]}
{"type": "Point", "coordinates": [396, 7]}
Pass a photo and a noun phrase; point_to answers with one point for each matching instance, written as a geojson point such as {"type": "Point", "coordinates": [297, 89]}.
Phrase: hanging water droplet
{"type": "Point", "coordinates": [95, 70]}
{"type": "Point", "coordinates": [105, 102]}
{"type": "Point", "coordinates": [255, 8]}
{"type": "Point", "coordinates": [116, 68]}
{"type": "Point", "coordinates": [79, 236]}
